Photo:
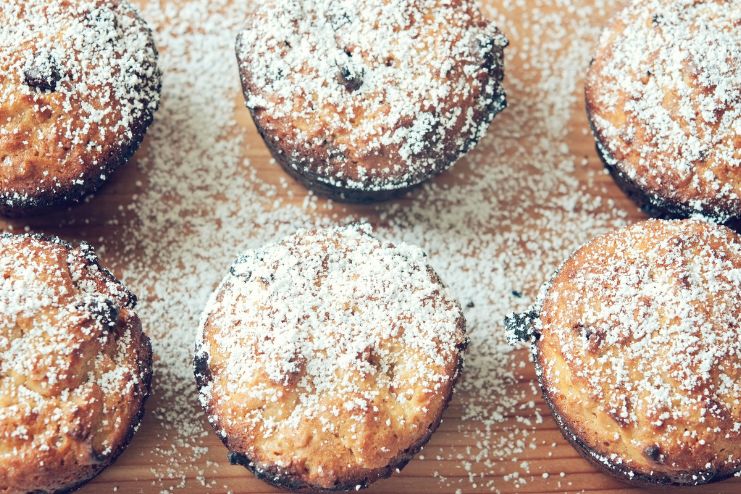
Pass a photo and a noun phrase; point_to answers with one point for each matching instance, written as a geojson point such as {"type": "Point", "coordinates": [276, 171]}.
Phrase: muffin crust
{"type": "Point", "coordinates": [663, 95]}
{"type": "Point", "coordinates": [360, 100]}
{"type": "Point", "coordinates": [325, 361]}
{"type": "Point", "coordinates": [79, 86]}
{"type": "Point", "coordinates": [638, 352]}
{"type": "Point", "coordinates": [75, 367]}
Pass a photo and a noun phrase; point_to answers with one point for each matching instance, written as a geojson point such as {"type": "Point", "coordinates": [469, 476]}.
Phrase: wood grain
{"type": "Point", "coordinates": [132, 473]}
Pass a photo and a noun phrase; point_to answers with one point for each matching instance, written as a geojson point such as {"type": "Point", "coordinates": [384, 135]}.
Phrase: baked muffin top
{"type": "Point", "coordinates": [640, 348]}
{"type": "Point", "coordinates": [79, 84]}
{"type": "Point", "coordinates": [74, 365]}
{"type": "Point", "coordinates": [369, 94]}
{"type": "Point", "coordinates": [328, 355]}
{"type": "Point", "coordinates": [664, 93]}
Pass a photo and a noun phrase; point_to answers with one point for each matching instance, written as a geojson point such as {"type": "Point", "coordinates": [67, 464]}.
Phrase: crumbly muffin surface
{"type": "Point", "coordinates": [329, 357]}
{"type": "Point", "coordinates": [74, 365]}
{"type": "Point", "coordinates": [371, 95]}
{"type": "Point", "coordinates": [640, 350]}
{"type": "Point", "coordinates": [79, 84]}
{"type": "Point", "coordinates": [664, 96]}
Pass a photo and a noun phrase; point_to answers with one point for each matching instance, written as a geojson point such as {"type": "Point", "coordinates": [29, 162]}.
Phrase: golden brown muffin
{"type": "Point", "coordinates": [360, 100]}
{"type": "Point", "coordinates": [663, 96]}
{"type": "Point", "coordinates": [75, 367]}
{"type": "Point", "coordinates": [325, 361]}
{"type": "Point", "coordinates": [79, 86]}
{"type": "Point", "coordinates": [638, 351]}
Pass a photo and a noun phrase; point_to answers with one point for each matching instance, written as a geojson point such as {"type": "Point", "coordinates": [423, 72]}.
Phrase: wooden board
{"type": "Point", "coordinates": [552, 466]}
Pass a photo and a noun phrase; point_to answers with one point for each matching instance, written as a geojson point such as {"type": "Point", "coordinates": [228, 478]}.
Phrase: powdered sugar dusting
{"type": "Point", "coordinates": [494, 228]}
{"type": "Point", "coordinates": [652, 330]}
{"type": "Point", "coordinates": [79, 86]}
{"type": "Point", "coordinates": [320, 300]}
{"type": "Point", "coordinates": [69, 357]}
{"type": "Point", "coordinates": [333, 335]}
{"type": "Point", "coordinates": [372, 95]}
{"type": "Point", "coordinates": [666, 94]}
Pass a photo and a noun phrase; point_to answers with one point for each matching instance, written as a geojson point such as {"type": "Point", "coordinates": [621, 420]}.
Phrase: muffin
{"type": "Point", "coordinates": [75, 367]}
{"type": "Point", "coordinates": [325, 361]}
{"type": "Point", "coordinates": [79, 86]}
{"type": "Point", "coordinates": [362, 100]}
{"type": "Point", "coordinates": [638, 351]}
{"type": "Point", "coordinates": [663, 95]}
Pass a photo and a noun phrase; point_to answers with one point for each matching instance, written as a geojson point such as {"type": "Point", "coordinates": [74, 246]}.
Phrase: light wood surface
{"type": "Point", "coordinates": [139, 469]}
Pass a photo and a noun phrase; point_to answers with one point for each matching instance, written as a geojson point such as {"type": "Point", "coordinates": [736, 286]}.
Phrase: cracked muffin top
{"type": "Point", "coordinates": [664, 97]}
{"type": "Point", "coordinates": [74, 365]}
{"type": "Point", "coordinates": [326, 360]}
{"type": "Point", "coordinates": [79, 85]}
{"type": "Point", "coordinates": [371, 95]}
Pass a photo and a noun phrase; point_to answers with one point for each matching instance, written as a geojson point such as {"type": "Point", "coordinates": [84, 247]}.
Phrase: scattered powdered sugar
{"type": "Point", "coordinates": [393, 90]}
{"type": "Point", "coordinates": [494, 229]}
{"type": "Point", "coordinates": [666, 90]}
{"type": "Point", "coordinates": [82, 76]}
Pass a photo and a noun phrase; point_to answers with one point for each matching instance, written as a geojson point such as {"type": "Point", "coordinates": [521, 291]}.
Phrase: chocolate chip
{"type": "Point", "coordinates": [103, 310]}
{"type": "Point", "coordinates": [351, 79]}
{"type": "Point", "coordinates": [594, 338]}
{"type": "Point", "coordinates": [470, 305]}
{"type": "Point", "coordinates": [42, 72]}
{"type": "Point", "coordinates": [202, 371]}
{"type": "Point", "coordinates": [99, 456]}
{"type": "Point", "coordinates": [244, 275]}
{"type": "Point", "coordinates": [657, 19]}
{"type": "Point", "coordinates": [237, 269]}
{"type": "Point", "coordinates": [490, 51]}
{"type": "Point", "coordinates": [486, 47]}
{"type": "Point", "coordinates": [240, 459]}
{"type": "Point", "coordinates": [520, 327]}
{"type": "Point", "coordinates": [653, 453]}
{"type": "Point", "coordinates": [516, 294]}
